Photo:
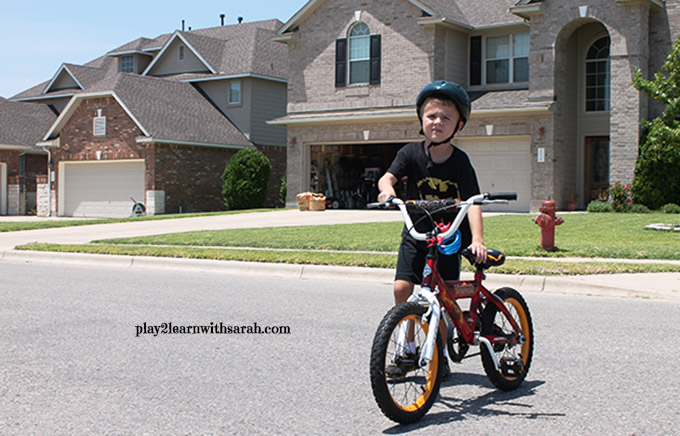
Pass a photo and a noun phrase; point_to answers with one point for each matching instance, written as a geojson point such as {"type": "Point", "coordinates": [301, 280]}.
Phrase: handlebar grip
{"type": "Point", "coordinates": [502, 196]}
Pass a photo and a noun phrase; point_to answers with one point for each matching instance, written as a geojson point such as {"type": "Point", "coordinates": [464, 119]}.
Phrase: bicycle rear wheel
{"type": "Point", "coordinates": [404, 399]}
{"type": "Point", "coordinates": [513, 360]}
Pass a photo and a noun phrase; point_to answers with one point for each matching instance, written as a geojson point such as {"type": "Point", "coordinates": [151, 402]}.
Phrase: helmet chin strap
{"type": "Point", "coordinates": [434, 144]}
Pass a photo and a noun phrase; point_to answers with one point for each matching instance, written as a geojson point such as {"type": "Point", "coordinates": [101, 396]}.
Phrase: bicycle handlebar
{"type": "Point", "coordinates": [464, 206]}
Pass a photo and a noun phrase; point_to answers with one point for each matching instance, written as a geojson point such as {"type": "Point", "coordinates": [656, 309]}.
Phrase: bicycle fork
{"type": "Point", "coordinates": [433, 315]}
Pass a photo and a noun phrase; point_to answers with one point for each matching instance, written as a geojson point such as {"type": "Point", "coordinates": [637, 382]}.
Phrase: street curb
{"type": "Point", "coordinates": [576, 285]}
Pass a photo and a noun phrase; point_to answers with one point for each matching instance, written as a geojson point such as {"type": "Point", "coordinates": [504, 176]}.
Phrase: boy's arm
{"type": "Point", "coordinates": [477, 230]}
{"type": "Point", "coordinates": [386, 186]}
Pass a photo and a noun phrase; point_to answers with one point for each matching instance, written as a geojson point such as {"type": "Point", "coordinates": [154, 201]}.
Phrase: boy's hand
{"type": "Point", "coordinates": [479, 250]}
{"type": "Point", "coordinates": [385, 195]}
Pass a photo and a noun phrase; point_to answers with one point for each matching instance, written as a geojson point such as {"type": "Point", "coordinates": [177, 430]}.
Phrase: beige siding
{"type": "Point", "coordinates": [169, 63]}
{"type": "Point", "coordinates": [268, 102]}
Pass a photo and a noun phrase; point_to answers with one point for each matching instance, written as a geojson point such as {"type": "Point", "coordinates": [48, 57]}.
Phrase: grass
{"type": "Point", "coordinates": [616, 236]}
{"type": "Point", "coordinates": [15, 226]}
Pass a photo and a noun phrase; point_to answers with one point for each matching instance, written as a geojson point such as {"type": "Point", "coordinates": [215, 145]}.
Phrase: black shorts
{"type": "Point", "coordinates": [411, 262]}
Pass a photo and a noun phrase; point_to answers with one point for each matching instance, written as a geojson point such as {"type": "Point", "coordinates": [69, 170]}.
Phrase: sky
{"type": "Point", "coordinates": [37, 36]}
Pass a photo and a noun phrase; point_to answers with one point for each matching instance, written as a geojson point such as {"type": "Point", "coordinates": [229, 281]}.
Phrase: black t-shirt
{"type": "Point", "coordinates": [454, 178]}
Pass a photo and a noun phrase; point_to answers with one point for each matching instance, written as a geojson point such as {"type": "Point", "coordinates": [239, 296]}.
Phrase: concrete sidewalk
{"type": "Point", "coordinates": [664, 286]}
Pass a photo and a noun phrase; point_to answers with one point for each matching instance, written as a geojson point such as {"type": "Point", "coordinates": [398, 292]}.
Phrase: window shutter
{"type": "Point", "coordinates": [476, 60]}
{"type": "Point", "coordinates": [340, 61]}
{"type": "Point", "coordinates": [375, 60]}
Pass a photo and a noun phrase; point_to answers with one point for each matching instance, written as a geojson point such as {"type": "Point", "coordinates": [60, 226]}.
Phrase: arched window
{"type": "Point", "coordinates": [598, 76]}
{"type": "Point", "coordinates": [359, 53]}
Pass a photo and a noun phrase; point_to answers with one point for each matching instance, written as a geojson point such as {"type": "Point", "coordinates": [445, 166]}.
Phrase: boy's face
{"type": "Point", "coordinates": [440, 119]}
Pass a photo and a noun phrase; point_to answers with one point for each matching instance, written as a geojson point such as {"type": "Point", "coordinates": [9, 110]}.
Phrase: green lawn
{"type": "Point", "coordinates": [607, 235]}
{"type": "Point", "coordinates": [617, 236]}
{"type": "Point", "coordinates": [15, 226]}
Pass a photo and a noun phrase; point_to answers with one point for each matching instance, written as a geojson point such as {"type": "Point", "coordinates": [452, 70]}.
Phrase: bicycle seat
{"type": "Point", "coordinates": [493, 258]}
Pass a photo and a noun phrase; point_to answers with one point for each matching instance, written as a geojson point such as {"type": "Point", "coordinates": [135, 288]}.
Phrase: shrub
{"type": "Point", "coordinates": [621, 197]}
{"type": "Point", "coordinates": [245, 180]}
{"type": "Point", "coordinates": [599, 206]}
{"type": "Point", "coordinates": [657, 179]}
{"type": "Point", "coordinates": [670, 208]}
{"type": "Point", "coordinates": [639, 208]}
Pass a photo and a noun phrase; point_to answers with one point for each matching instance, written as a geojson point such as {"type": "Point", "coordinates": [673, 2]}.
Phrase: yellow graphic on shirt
{"type": "Point", "coordinates": [432, 188]}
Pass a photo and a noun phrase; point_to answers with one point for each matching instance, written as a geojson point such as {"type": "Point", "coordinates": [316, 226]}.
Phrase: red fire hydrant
{"type": "Point", "coordinates": [547, 221]}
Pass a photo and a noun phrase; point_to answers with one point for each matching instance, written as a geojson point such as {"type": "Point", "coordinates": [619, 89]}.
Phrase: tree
{"type": "Point", "coordinates": [245, 180]}
{"type": "Point", "coordinates": [657, 169]}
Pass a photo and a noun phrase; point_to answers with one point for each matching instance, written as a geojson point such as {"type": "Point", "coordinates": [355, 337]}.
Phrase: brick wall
{"type": "Point", "coordinates": [190, 176]}
{"type": "Point", "coordinates": [277, 158]}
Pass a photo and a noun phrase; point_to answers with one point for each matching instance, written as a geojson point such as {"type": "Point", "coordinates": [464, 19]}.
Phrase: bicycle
{"type": "Point", "coordinates": [498, 323]}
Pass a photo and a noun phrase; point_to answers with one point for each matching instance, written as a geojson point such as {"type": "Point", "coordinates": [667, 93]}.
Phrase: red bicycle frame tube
{"type": "Point", "coordinates": [452, 290]}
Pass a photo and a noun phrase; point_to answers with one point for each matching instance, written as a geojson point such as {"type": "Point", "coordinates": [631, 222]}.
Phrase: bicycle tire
{"type": "Point", "coordinates": [514, 360]}
{"type": "Point", "coordinates": [404, 401]}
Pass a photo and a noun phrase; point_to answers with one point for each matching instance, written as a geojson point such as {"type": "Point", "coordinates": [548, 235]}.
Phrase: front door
{"type": "Point", "coordinates": [596, 167]}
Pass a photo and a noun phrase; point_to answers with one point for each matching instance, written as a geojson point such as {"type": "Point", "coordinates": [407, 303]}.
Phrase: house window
{"type": "Point", "coordinates": [180, 53]}
{"type": "Point", "coordinates": [507, 58]}
{"type": "Point", "coordinates": [359, 53]}
{"type": "Point", "coordinates": [598, 76]}
{"type": "Point", "coordinates": [127, 64]}
{"type": "Point", "coordinates": [357, 58]}
{"type": "Point", "coordinates": [235, 92]}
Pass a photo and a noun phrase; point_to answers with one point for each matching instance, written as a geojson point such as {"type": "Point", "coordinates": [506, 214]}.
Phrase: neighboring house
{"type": "Point", "coordinates": [553, 111]}
{"type": "Point", "coordinates": [22, 125]}
{"type": "Point", "coordinates": [158, 119]}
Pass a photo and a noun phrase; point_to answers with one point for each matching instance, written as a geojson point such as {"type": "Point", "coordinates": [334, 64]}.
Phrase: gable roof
{"type": "Point", "coordinates": [467, 14]}
{"type": "Point", "coordinates": [239, 49]}
{"type": "Point", "coordinates": [164, 110]}
{"type": "Point", "coordinates": [23, 124]}
{"type": "Point", "coordinates": [234, 50]}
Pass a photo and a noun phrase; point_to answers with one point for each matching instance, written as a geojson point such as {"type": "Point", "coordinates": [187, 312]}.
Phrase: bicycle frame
{"type": "Point", "coordinates": [439, 294]}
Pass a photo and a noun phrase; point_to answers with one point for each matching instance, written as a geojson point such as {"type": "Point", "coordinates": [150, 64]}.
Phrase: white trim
{"type": "Point", "coordinates": [75, 102]}
{"type": "Point", "coordinates": [151, 140]}
{"type": "Point", "coordinates": [400, 116]}
{"type": "Point", "coordinates": [25, 148]}
{"type": "Point", "coordinates": [177, 34]}
{"type": "Point", "coordinates": [3, 188]}
{"type": "Point", "coordinates": [125, 53]}
{"type": "Point", "coordinates": [429, 21]}
{"type": "Point", "coordinates": [54, 78]}
{"type": "Point", "coordinates": [236, 76]}
{"type": "Point", "coordinates": [527, 11]}
{"type": "Point", "coordinates": [45, 97]}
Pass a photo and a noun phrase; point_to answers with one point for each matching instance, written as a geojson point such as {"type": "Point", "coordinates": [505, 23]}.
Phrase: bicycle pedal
{"type": "Point", "coordinates": [511, 368]}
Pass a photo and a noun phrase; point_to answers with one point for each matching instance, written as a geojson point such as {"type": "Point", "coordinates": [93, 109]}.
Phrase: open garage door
{"type": "Point", "coordinates": [502, 165]}
{"type": "Point", "coordinates": [100, 189]}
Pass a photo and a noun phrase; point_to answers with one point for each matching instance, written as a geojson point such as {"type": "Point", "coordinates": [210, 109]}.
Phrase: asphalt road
{"type": "Point", "coordinates": [72, 363]}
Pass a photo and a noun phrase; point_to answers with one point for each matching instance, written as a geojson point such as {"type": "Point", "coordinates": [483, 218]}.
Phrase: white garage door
{"type": "Point", "coordinates": [100, 189]}
{"type": "Point", "coordinates": [502, 165]}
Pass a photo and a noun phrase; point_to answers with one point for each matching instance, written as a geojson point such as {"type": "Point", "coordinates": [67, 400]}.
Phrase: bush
{"type": "Point", "coordinates": [657, 179]}
{"type": "Point", "coordinates": [639, 208]}
{"type": "Point", "coordinates": [599, 206]}
{"type": "Point", "coordinates": [670, 208]}
{"type": "Point", "coordinates": [621, 197]}
{"type": "Point", "coordinates": [245, 180]}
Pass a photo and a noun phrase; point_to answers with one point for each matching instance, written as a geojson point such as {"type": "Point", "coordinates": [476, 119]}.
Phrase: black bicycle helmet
{"type": "Point", "coordinates": [449, 91]}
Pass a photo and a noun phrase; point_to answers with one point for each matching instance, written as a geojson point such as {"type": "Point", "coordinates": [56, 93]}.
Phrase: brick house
{"type": "Point", "coordinates": [553, 112]}
{"type": "Point", "coordinates": [22, 125]}
{"type": "Point", "coordinates": [158, 119]}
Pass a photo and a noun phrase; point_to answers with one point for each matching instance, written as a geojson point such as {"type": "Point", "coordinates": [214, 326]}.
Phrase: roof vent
{"type": "Point", "coordinates": [240, 20]}
{"type": "Point", "coordinates": [222, 18]}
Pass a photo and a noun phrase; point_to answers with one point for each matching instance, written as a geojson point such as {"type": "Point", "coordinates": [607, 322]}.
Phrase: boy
{"type": "Point", "coordinates": [436, 170]}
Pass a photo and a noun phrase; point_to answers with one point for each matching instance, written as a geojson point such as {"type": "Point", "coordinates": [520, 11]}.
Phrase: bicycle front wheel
{"type": "Point", "coordinates": [513, 360]}
{"type": "Point", "coordinates": [403, 389]}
